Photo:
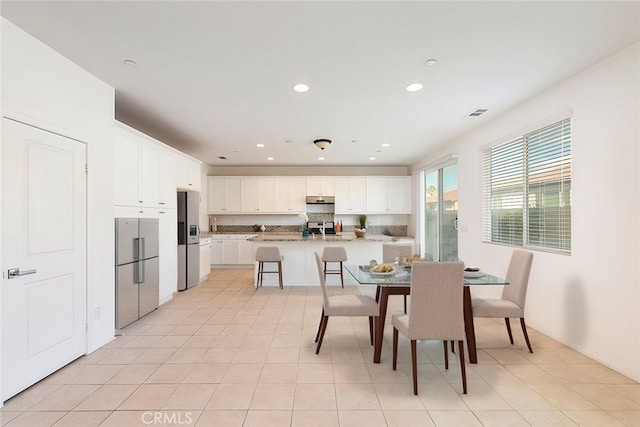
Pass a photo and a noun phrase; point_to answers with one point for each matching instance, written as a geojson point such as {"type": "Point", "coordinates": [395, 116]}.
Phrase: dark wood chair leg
{"type": "Point", "coordinates": [319, 325]}
{"type": "Point", "coordinates": [453, 348]}
{"type": "Point", "coordinates": [405, 304]}
{"type": "Point", "coordinates": [259, 279]}
{"type": "Point", "coordinates": [526, 336]}
{"type": "Point", "coordinates": [325, 320]}
{"type": "Point", "coordinates": [395, 349]}
{"type": "Point", "coordinates": [463, 369]}
{"type": "Point", "coordinates": [341, 277]}
{"type": "Point", "coordinates": [508, 323]}
{"type": "Point", "coordinates": [371, 329]}
{"type": "Point", "coordinates": [446, 355]}
{"type": "Point", "coordinates": [280, 273]}
{"type": "Point", "coordinates": [414, 366]}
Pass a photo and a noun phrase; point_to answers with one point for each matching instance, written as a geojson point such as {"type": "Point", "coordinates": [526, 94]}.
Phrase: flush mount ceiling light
{"type": "Point", "coordinates": [320, 158]}
{"type": "Point", "coordinates": [300, 87]}
{"type": "Point", "coordinates": [322, 143]}
{"type": "Point", "coordinates": [414, 87]}
{"type": "Point", "coordinates": [372, 158]}
{"type": "Point", "coordinates": [130, 62]}
{"type": "Point", "coordinates": [430, 62]}
{"type": "Point", "coordinates": [269, 158]}
{"type": "Point", "coordinates": [259, 145]}
{"type": "Point", "coordinates": [386, 144]}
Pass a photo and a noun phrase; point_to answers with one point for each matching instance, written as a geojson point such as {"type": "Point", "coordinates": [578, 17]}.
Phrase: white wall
{"type": "Point", "coordinates": [42, 88]}
{"type": "Point", "coordinates": [588, 300]}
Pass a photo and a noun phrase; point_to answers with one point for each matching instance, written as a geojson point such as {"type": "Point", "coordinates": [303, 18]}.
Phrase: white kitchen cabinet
{"type": "Point", "coordinates": [168, 244]}
{"type": "Point", "coordinates": [223, 194]}
{"type": "Point", "coordinates": [389, 195]}
{"type": "Point", "coordinates": [231, 249]}
{"type": "Point", "coordinates": [187, 173]}
{"type": "Point", "coordinates": [290, 195]}
{"type": "Point", "coordinates": [148, 190]}
{"type": "Point", "coordinates": [257, 195]}
{"type": "Point", "coordinates": [244, 252]}
{"type": "Point", "coordinates": [223, 249]}
{"type": "Point", "coordinates": [351, 195]}
{"type": "Point", "coordinates": [205, 257]}
{"type": "Point", "coordinates": [166, 179]}
{"type": "Point", "coordinates": [321, 186]}
{"type": "Point", "coordinates": [144, 171]}
{"type": "Point", "coordinates": [126, 169]}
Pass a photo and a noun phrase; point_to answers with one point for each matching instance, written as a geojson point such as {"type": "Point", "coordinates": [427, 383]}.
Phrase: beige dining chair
{"type": "Point", "coordinates": [334, 254]}
{"type": "Point", "coordinates": [435, 312]}
{"type": "Point", "coordinates": [342, 305]}
{"type": "Point", "coordinates": [391, 251]}
{"type": "Point", "coordinates": [514, 295]}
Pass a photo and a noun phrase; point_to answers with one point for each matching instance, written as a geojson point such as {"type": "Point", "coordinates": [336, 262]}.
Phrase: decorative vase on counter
{"type": "Point", "coordinates": [305, 233]}
{"type": "Point", "coordinates": [359, 232]}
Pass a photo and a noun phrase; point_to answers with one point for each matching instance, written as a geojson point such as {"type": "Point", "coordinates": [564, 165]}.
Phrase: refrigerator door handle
{"type": "Point", "coordinates": [141, 248]}
{"type": "Point", "coordinates": [138, 272]}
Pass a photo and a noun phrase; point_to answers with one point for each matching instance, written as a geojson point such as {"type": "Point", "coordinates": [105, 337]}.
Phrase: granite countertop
{"type": "Point", "coordinates": [340, 237]}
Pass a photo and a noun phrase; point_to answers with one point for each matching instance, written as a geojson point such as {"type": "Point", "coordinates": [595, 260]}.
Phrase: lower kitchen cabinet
{"type": "Point", "coordinates": [205, 257]}
{"type": "Point", "coordinates": [231, 249]}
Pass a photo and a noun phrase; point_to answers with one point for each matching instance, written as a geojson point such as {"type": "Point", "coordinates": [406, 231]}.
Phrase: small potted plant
{"type": "Point", "coordinates": [363, 224]}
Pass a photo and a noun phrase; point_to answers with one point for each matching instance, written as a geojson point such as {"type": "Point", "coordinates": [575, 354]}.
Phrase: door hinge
{"type": "Point", "coordinates": [86, 169]}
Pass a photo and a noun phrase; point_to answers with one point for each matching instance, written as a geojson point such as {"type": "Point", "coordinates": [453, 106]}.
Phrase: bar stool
{"type": "Point", "coordinates": [334, 254]}
{"type": "Point", "coordinates": [268, 254]}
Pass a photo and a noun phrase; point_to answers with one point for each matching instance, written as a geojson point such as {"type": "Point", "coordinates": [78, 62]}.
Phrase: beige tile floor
{"type": "Point", "coordinates": [223, 354]}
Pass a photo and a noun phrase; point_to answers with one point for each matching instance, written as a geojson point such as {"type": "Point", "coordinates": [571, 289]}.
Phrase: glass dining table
{"type": "Point", "coordinates": [399, 283]}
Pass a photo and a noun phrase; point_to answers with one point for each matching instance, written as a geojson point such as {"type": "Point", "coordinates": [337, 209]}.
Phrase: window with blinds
{"type": "Point", "coordinates": [526, 190]}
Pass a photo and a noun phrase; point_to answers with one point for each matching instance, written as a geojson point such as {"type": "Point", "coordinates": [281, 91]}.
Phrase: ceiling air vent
{"type": "Point", "coordinates": [477, 112]}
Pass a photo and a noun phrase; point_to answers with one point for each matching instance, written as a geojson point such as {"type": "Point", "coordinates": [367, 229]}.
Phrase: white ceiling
{"type": "Point", "coordinates": [215, 78]}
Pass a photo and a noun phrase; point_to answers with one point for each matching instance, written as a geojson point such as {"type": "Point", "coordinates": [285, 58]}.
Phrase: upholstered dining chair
{"type": "Point", "coordinates": [435, 312]}
{"type": "Point", "coordinates": [514, 295]}
{"type": "Point", "coordinates": [342, 305]}
{"type": "Point", "coordinates": [390, 251]}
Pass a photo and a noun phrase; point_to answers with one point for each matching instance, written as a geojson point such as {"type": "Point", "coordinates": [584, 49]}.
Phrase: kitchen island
{"type": "Point", "coordinates": [298, 265]}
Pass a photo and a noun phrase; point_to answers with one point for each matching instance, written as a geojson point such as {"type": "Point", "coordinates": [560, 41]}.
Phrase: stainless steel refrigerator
{"type": "Point", "coordinates": [137, 269]}
{"type": "Point", "coordinates": [188, 239]}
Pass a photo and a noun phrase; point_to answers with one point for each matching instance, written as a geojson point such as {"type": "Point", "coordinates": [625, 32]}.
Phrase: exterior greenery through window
{"type": "Point", "coordinates": [526, 190]}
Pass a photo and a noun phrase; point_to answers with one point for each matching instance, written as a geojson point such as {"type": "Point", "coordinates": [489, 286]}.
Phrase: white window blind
{"type": "Point", "coordinates": [526, 190]}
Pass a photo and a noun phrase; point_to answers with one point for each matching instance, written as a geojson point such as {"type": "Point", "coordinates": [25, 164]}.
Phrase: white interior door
{"type": "Point", "coordinates": [44, 227]}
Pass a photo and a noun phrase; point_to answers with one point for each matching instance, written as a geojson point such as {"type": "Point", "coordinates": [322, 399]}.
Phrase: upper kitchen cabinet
{"type": "Point", "coordinates": [351, 195]}
{"type": "Point", "coordinates": [257, 194]}
{"type": "Point", "coordinates": [223, 194]}
{"type": "Point", "coordinates": [187, 173]}
{"type": "Point", "coordinates": [389, 194]}
{"type": "Point", "coordinates": [290, 195]}
{"type": "Point", "coordinates": [144, 171]}
{"type": "Point", "coordinates": [321, 186]}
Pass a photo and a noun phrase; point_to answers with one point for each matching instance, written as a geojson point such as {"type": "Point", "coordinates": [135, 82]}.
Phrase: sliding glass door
{"type": "Point", "coordinates": [441, 214]}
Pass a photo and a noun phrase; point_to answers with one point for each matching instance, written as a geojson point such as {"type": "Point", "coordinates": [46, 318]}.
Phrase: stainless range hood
{"type": "Point", "coordinates": [321, 200]}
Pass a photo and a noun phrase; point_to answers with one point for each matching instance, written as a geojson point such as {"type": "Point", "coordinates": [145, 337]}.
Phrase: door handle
{"type": "Point", "coordinates": [15, 272]}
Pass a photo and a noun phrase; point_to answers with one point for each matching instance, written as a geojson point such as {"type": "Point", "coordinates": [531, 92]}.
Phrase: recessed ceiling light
{"type": "Point", "coordinates": [430, 62]}
{"type": "Point", "coordinates": [300, 87]}
{"type": "Point", "coordinates": [320, 158]}
{"type": "Point", "coordinates": [130, 62]}
{"type": "Point", "coordinates": [269, 158]}
{"type": "Point", "coordinates": [222, 157]}
{"type": "Point", "coordinates": [414, 87]}
{"type": "Point", "coordinates": [386, 145]}
{"type": "Point", "coordinates": [372, 158]}
{"type": "Point", "coordinates": [259, 145]}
